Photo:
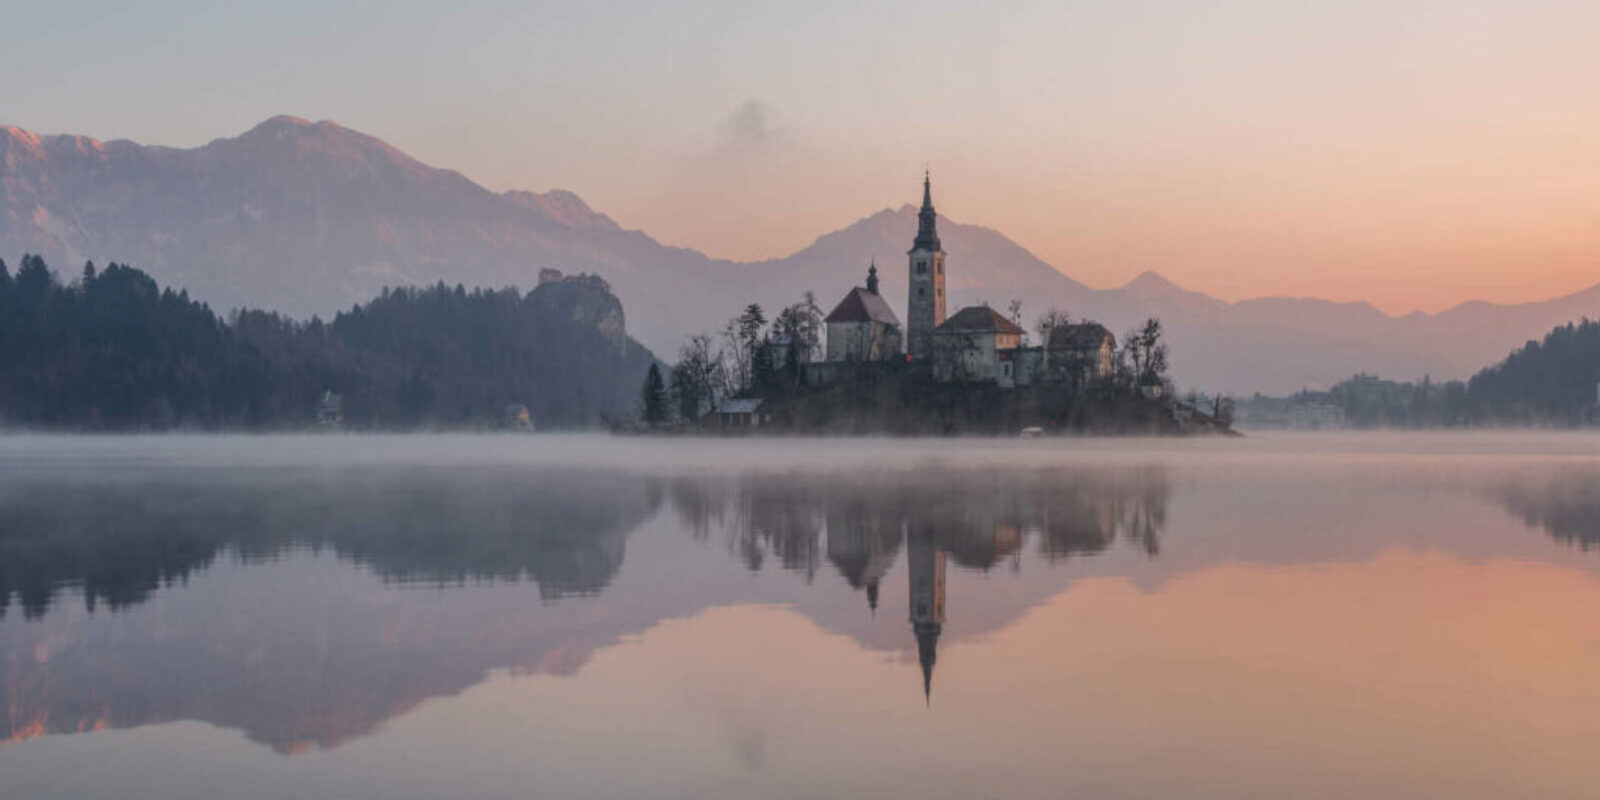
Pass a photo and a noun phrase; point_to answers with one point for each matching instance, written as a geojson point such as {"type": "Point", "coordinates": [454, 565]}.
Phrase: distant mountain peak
{"type": "Point", "coordinates": [1151, 281]}
{"type": "Point", "coordinates": [287, 119]}
{"type": "Point", "coordinates": [284, 125]}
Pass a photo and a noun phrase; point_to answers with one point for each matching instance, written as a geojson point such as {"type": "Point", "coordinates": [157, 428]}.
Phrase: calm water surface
{"type": "Point", "coordinates": [585, 617]}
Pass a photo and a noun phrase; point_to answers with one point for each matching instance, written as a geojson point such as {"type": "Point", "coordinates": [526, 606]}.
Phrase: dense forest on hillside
{"type": "Point", "coordinates": [1551, 382]}
{"type": "Point", "coordinates": [111, 350]}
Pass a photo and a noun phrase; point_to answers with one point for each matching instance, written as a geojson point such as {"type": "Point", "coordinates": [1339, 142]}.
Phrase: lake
{"type": "Point", "coordinates": [1284, 615]}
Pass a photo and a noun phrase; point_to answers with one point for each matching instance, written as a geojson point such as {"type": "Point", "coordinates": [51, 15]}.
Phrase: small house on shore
{"type": "Point", "coordinates": [740, 413]}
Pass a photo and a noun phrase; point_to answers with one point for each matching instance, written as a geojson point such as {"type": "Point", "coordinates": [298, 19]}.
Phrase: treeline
{"type": "Point", "coordinates": [1551, 382]}
{"type": "Point", "coordinates": [112, 350]}
{"type": "Point", "coordinates": [751, 357]}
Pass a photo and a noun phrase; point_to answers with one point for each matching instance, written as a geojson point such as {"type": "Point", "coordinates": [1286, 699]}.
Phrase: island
{"type": "Point", "coordinates": [859, 371]}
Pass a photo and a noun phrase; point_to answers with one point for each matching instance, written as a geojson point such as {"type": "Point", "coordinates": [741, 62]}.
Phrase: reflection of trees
{"type": "Point", "coordinates": [979, 519]}
{"type": "Point", "coordinates": [1086, 515]}
{"type": "Point", "coordinates": [119, 541]}
{"type": "Point", "coordinates": [1566, 504]}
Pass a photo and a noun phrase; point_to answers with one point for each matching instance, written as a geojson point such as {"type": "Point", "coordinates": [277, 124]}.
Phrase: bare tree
{"type": "Point", "coordinates": [801, 324]}
{"type": "Point", "coordinates": [743, 336]}
{"type": "Point", "coordinates": [1143, 358]}
{"type": "Point", "coordinates": [699, 379]}
{"type": "Point", "coordinates": [1049, 321]}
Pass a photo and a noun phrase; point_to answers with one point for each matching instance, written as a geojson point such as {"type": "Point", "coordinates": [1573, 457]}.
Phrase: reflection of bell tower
{"type": "Point", "coordinates": [926, 566]}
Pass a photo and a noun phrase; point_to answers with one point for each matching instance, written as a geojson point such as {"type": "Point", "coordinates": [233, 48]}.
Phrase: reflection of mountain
{"type": "Point", "coordinates": [1566, 504]}
{"type": "Point", "coordinates": [282, 646]}
{"type": "Point", "coordinates": [120, 541]}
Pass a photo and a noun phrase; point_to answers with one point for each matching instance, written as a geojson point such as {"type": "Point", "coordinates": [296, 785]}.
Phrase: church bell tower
{"type": "Point", "coordinates": [925, 306]}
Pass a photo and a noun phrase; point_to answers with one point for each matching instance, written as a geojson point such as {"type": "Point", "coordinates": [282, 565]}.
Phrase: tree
{"type": "Point", "coordinates": [655, 397]}
{"type": "Point", "coordinates": [1222, 410]}
{"type": "Point", "coordinates": [1143, 359]}
{"type": "Point", "coordinates": [811, 313]}
{"type": "Point", "coordinates": [1048, 322]}
{"type": "Point", "coordinates": [1014, 311]}
{"type": "Point", "coordinates": [699, 378]}
{"type": "Point", "coordinates": [115, 350]}
{"type": "Point", "coordinates": [799, 327]}
{"type": "Point", "coordinates": [743, 334]}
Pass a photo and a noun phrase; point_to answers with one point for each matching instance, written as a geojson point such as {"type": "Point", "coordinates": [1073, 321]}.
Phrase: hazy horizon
{"type": "Point", "coordinates": [1414, 155]}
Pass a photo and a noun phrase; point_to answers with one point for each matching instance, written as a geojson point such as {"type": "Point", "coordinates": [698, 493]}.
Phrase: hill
{"type": "Point", "coordinates": [114, 351]}
{"type": "Point", "coordinates": [1552, 381]}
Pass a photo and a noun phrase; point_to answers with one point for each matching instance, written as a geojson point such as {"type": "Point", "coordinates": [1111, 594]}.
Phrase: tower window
{"type": "Point", "coordinates": [921, 291]}
{"type": "Point", "coordinates": [922, 267]}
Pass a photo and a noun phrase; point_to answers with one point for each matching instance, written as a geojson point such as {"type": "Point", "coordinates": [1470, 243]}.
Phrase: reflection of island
{"type": "Point", "coordinates": [306, 608]}
{"type": "Point", "coordinates": [1566, 504]}
{"type": "Point", "coordinates": [977, 520]}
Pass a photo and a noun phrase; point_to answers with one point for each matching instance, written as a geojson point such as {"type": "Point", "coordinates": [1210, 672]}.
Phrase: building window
{"type": "Point", "coordinates": [922, 267]}
{"type": "Point", "coordinates": [921, 291]}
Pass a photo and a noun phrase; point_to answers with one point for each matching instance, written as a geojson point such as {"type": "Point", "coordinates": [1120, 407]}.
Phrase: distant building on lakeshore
{"type": "Point", "coordinates": [516, 418]}
{"type": "Point", "coordinates": [330, 410]}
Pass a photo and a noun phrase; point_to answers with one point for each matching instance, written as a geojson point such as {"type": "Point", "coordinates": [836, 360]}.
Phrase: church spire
{"type": "Point", "coordinates": [872, 277]}
{"type": "Point", "coordinates": [927, 229]}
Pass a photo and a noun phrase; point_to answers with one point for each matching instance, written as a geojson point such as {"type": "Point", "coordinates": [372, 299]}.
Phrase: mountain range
{"type": "Point", "coordinates": [308, 218]}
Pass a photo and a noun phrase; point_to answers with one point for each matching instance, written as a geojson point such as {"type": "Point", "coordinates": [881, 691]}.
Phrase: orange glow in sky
{"type": "Point", "coordinates": [1412, 153]}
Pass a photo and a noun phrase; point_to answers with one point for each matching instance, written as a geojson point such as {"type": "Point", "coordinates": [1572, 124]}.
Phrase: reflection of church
{"type": "Point", "coordinates": [977, 521]}
{"type": "Point", "coordinates": [926, 568]}
{"type": "Point", "coordinates": [864, 550]}
{"type": "Point", "coordinates": [979, 525]}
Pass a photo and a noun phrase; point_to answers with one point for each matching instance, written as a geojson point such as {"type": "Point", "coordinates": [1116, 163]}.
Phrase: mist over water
{"type": "Point", "coordinates": [1310, 615]}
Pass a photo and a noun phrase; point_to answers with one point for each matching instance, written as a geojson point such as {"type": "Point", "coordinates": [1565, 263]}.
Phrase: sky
{"type": "Point", "coordinates": [1410, 153]}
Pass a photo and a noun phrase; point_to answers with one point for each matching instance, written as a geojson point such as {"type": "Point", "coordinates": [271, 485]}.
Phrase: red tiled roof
{"type": "Point", "coordinates": [1083, 336]}
{"type": "Point", "coordinates": [981, 319]}
{"type": "Point", "coordinates": [861, 305]}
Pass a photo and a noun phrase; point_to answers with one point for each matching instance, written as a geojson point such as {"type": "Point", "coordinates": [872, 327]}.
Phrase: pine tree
{"type": "Point", "coordinates": [655, 397]}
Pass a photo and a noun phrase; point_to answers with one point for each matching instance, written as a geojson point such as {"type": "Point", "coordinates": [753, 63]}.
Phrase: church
{"type": "Point", "coordinates": [977, 344]}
